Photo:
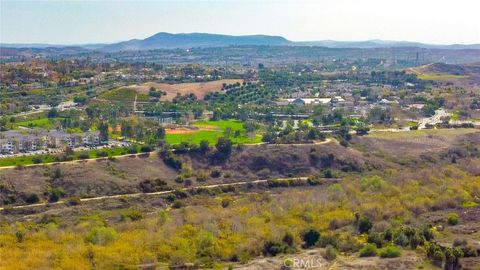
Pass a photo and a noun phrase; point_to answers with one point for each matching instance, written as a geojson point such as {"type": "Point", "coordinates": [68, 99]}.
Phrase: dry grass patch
{"type": "Point", "coordinates": [199, 89]}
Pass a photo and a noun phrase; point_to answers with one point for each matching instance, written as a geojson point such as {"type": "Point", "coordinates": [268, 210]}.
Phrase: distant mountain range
{"type": "Point", "coordinates": [164, 40]}
{"type": "Point", "coordinates": [173, 41]}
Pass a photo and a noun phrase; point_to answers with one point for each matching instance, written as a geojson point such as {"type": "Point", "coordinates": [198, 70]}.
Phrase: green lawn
{"type": "Point", "coordinates": [13, 161]}
{"type": "Point", "coordinates": [217, 131]}
{"type": "Point", "coordinates": [44, 123]}
{"type": "Point", "coordinates": [48, 158]}
{"type": "Point", "coordinates": [111, 152]}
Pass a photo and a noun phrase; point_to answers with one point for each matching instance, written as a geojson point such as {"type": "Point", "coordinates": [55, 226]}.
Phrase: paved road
{"type": "Point", "coordinates": [139, 194]}
{"type": "Point", "coordinates": [434, 119]}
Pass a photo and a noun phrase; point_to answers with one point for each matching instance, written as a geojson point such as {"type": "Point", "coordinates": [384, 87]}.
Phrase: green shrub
{"type": "Point", "coordinates": [74, 201]}
{"type": "Point", "coordinates": [83, 155]}
{"type": "Point", "coordinates": [417, 240]}
{"type": "Point", "coordinates": [438, 257]}
{"type": "Point", "coordinates": [215, 173]}
{"type": "Point", "coordinates": [401, 240]}
{"type": "Point", "coordinates": [427, 232]}
{"type": "Point", "coordinates": [390, 252]}
{"type": "Point", "coordinates": [32, 198]}
{"type": "Point", "coordinates": [101, 235]}
{"type": "Point", "coordinates": [102, 153]}
{"type": "Point", "coordinates": [328, 240]}
{"type": "Point", "coordinates": [226, 201]}
{"type": "Point", "coordinates": [56, 194]}
{"type": "Point", "coordinates": [146, 149]}
{"type": "Point", "coordinates": [374, 183]}
{"type": "Point", "coordinates": [201, 176]}
{"type": "Point", "coordinates": [37, 159]}
{"type": "Point", "coordinates": [369, 250]}
{"type": "Point", "coordinates": [330, 253]}
{"type": "Point", "coordinates": [271, 248]}
{"type": "Point", "coordinates": [132, 149]}
{"type": "Point", "coordinates": [171, 160]}
{"type": "Point", "coordinates": [132, 214]}
{"type": "Point", "coordinates": [364, 224]}
{"type": "Point", "coordinates": [452, 219]}
{"type": "Point", "coordinates": [179, 179]}
{"type": "Point", "coordinates": [177, 204]}
{"type": "Point", "coordinates": [327, 173]}
{"type": "Point", "coordinates": [376, 238]}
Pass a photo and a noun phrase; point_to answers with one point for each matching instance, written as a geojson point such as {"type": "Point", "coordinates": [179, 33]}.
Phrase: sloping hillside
{"type": "Point", "coordinates": [171, 41]}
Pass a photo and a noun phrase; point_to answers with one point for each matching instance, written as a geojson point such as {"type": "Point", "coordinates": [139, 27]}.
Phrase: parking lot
{"type": "Point", "coordinates": [111, 144]}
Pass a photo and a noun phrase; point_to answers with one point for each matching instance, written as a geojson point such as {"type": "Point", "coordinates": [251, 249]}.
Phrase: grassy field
{"type": "Point", "coordinates": [440, 77]}
{"type": "Point", "coordinates": [420, 133]}
{"type": "Point", "coordinates": [211, 131]}
{"type": "Point", "coordinates": [13, 161]}
{"type": "Point", "coordinates": [33, 116]}
{"type": "Point", "coordinates": [124, 94]}
{"type": "Point", "coordinates": [44, 123]}
{"type": "Point", "coordinates": [48, 158]}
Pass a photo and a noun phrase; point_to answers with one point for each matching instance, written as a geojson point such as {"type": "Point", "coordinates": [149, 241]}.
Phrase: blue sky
{"type": "Point", "coordinates": [79, 22]}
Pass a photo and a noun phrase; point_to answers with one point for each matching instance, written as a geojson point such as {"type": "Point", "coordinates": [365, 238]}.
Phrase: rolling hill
{"type": "Point", "coordinates": [173, 41]}
{"type": "Point", "coordinates": [165, 40]}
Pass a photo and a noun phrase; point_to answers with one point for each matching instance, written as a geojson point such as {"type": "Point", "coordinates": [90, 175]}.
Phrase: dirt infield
{"type": "Point", "coordinates": [199, 89]}
{"type": "Point", "coordinates": [192, 129]}
{"type": "Point", "coordinates": [180, 131]}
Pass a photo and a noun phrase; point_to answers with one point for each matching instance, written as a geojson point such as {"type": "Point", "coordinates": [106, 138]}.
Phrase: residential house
{"type": "Point", "coordinates": [91, 138]}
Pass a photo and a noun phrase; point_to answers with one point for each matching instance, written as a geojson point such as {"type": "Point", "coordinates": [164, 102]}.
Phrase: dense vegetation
{"type": "Point", "coordinates": [226, 228]}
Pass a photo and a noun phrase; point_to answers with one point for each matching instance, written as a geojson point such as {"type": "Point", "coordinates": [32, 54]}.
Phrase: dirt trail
{"type": "Point", "coordinates": [138, 194]}
{"type": "Point", "coordinates": [73, 161]}
{"type": "Point", "coordinates": [328, 140]}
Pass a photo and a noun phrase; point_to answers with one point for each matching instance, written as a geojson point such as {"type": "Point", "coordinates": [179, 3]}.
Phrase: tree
{"type": "Point", "coordinates": [224, 146]}
{"type": "Point", "coordinates": [160, 134]}
{"type": "Point", "coordinates": [127, 130]}
{"type": "Point", "coordinates": [80, 100]}
{"type": "Point", "coordinates": [362, 129]}
{"type": "Point", "coordinates": [311, 237]}
{"type": "Point", "coordinates": [52, 113]}
{"type": "Point", "coordinates": [103, 129]}
{"type": "Point", "coordinates": [250, 126]}
{"type": "Point", "coordinates": [288, 239]}
{"type": "Point", "coordinates": [312, 134]}
{"type": "Point", "coordinates": [364, 224]}
{"type": "Point", "coordinates": [344, 133]}
{"type": "Point", "coordinates": [204, 146]}
{"type": "Point", "coordinates": [380, 115]}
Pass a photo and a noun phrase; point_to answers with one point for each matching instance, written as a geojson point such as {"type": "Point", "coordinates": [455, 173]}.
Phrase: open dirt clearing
{"type": "Point", "coordinates": [199, 89]}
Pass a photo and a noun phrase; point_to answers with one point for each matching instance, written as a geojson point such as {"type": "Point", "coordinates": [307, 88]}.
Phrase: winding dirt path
{"type": "Point", "coordinates": [139, 194]}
